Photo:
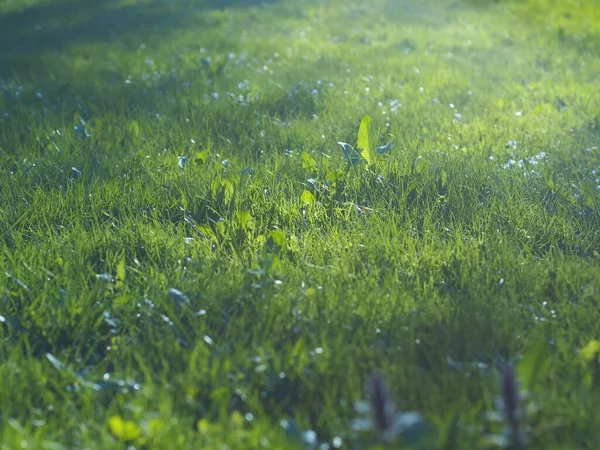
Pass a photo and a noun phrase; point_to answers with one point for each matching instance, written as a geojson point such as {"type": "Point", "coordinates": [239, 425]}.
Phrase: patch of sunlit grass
{"type": "Point", "coordinates": [217, 220]}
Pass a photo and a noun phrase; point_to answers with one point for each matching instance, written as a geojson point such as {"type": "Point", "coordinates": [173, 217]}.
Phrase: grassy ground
{"type": "Point", "coordinates": [188, 261]}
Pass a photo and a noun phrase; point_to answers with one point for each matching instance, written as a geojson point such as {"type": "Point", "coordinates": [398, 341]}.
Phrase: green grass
{"type": "Point", "coordinates": [204, 305]}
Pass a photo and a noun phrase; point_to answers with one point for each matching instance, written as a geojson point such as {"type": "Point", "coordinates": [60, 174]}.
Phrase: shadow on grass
{"type": "Point", "coordinates": [50, 27]}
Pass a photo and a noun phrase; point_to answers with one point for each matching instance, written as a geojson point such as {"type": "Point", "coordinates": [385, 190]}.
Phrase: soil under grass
{"type": "Point", "coordinates": [188, 260]}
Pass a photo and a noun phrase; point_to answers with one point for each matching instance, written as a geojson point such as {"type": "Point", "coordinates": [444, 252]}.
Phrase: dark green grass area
{"type": "Point", "coordinates": [188, 261]}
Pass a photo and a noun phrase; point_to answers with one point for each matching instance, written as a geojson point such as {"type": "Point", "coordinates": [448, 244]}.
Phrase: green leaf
{"type": "Point", "coordinates": [222, 189]}
{"type": "Point", "coordinates": [335, 175]}
{"type": "Point", "coordinates": [307, 197]}
{"type": "Point", "coordinates": [244, 218]}
{"type": "Point", "coordinates": [221, 228]}
{"type": "Point", "coordinates": [121, 301]}
{"type": "Point", "coordinates": [208, 232]}
{"type": "Point", "coordinates": [591, 350]}
{"type": "Point", "coordinates": [124, 430]}
{"type": "Point", "coordinates": [535, 363]}
{"type": "Point", "coordinates": [215, 187]}
{"type": "Point", "coordinates": [279, 238]}
{"type": "Point", "coordinates": [201, 157]}
{"type": "Point", "coordinates": [228, 188]}
{"type": "Point", "coordinates": [308, 162]}
{"type": "Point", "coordinates": [550, 183]}
{"type": "Point", "coordinates": [364, 140]}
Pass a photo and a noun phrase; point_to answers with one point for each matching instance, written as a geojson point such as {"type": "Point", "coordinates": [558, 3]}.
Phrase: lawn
{"type": "Point", "coordinates": [191, 259]}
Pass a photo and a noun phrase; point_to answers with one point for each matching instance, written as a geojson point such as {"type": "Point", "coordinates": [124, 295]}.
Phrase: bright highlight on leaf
{"type": "Point", "coordinates": [124, 430]}
{"type": "Point", "coordinates": [307, 197]}
{"type": "Point", "coordinates": [591, 350]}
{"type": "Point", "coordinates": [364, 140]}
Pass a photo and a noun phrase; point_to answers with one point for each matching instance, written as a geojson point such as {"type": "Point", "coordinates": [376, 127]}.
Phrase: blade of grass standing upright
{"type": "Point", "coordinates": [364, 140]}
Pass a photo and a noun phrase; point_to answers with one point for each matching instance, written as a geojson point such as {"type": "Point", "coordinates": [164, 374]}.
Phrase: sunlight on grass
{"type": "Point", "coordinates": [228, 222]}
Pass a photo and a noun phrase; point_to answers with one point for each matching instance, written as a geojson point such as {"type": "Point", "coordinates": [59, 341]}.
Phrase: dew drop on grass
{"type": "Point", "coordinates": [149, 303]}
{"type": "Point", "coordinates": [178, 295]}
{"type": "Point", "coordinates": [75, 172]}
{"type": "Point", "coordinates": [310, 437]}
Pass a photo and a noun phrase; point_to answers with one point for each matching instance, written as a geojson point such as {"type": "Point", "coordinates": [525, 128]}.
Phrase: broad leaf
{"type": "Point", "coordinates": [364, 140]}
{"type": "Point", "coordinates": [201, 157]}
{"type": "Point", "coordinates": [307, 197]}
{"type": "Point", "coordinates": [124, 430]}
{"type": "Point", "coordinates": [244, 219]}
{"type": "Point", "coordinates": [279, 238]}
{"type": "Point", "coordinates": [591, 350]}
{"type": "Point", "coordinates": [308, 162]}
{"type": "Point", "coordinates": [120, 278]}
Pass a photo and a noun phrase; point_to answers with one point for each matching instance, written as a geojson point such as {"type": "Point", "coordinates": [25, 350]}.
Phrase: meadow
{"type": "Point", "coordinates": [311, 224]}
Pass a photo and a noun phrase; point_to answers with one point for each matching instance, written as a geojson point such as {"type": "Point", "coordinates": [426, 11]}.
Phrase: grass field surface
{"type": "Point", "coordinates": [207, 242]}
